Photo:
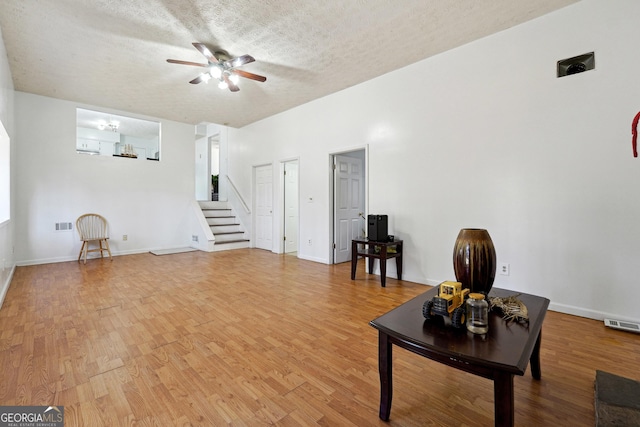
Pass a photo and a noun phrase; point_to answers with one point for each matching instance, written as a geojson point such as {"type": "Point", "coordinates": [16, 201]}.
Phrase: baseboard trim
{"type": "Point", "coordinates": [314, 259]}
{"type": "Point", "coordinates": [589, 314]}
{"type": "Point", "coordinates": [75, 258]}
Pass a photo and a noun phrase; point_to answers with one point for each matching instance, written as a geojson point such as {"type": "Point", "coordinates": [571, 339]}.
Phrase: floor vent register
{"type": "Point", "coordinates": [622, 325]}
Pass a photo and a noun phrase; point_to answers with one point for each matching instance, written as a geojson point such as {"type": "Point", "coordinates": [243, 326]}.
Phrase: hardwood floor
{"type": "Point", "coordinates": [247, 337]}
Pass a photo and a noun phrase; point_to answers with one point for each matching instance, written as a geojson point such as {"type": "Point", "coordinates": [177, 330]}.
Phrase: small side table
{"type": "Point", "coordinates": [383, 254]}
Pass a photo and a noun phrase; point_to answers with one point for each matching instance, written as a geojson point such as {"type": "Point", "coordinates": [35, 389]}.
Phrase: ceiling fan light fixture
{"type": "Point", "coordinates": [112, 125]}
{"type": "Point", "coordinates": [215, 72]}
{"type": "Point", "coordinates": [222, 67]}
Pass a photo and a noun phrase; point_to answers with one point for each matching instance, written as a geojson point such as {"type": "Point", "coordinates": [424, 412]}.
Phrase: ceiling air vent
{"type": "Point", "coordinates": [577, 64]}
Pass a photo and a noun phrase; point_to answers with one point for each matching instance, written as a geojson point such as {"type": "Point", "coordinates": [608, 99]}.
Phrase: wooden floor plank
{"type": "Point", "coordinates": [247, 337]}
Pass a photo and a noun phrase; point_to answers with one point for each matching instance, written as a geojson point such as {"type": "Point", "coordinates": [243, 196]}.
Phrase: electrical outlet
{"type": "Point", "coordinates": [125, 237]}
{"type": "Point", "coordinates": [504, 269]}
{"type": "Point", "coordinates": [309, 242]}
{"type": "Point", "coordinates": [194, 238]}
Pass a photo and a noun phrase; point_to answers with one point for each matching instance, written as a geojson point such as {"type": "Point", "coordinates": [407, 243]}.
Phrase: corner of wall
{"type": "Point", "coordinates": [5, 286]}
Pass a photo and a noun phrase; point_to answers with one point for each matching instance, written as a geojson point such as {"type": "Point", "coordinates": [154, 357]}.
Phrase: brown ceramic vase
{"type": "Point", "coordinates": [474, 260]}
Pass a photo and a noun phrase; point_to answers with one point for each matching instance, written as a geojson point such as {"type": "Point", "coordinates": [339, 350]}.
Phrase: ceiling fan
{"type": "Point", "coordinates": [221, 67]}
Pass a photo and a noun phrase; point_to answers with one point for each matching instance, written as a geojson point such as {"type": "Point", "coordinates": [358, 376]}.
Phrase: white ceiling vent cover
{"type": "Point", "coordinates": [622, 325]}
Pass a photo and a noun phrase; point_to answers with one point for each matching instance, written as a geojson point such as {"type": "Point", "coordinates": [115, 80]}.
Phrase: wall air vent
{"type": "Point", "coordinates": [577, 64]}
{"type": "Point", "coordinates": [64, 226]}
{"type": "Point", "coordinates": [622, 325]}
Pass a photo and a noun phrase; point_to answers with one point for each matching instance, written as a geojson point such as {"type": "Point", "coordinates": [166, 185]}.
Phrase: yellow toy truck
{"type": "Point", "coordinates": [449, 304]}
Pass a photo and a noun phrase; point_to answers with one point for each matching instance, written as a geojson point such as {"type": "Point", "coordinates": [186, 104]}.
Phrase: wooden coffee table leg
{"type": "Point", "coordinates": [535, 359]}
{"type": "Point", "coordinates": [383, 266]}
{"type": "Point", "coordinates": [503, 399]}
{"type": "Point", "coordinates": [386, 383]}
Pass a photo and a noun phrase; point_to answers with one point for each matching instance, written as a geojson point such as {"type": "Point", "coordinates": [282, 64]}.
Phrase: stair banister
{"type": "Point", "coordinates": [239, 196]}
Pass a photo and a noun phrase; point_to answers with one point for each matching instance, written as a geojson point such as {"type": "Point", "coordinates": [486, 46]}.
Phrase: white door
{"type": "Point", "coordinates": [264, 207]}
{"type": "Point", "coordinates": [291, 206]}
{"type": "Point", "coordinates": [348, 192]}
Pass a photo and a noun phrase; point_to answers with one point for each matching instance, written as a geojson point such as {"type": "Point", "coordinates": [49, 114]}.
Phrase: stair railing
{"type": "Point", "coordinates": [243, 213]}
{"type": "Point", "coordinates": [239, 196]}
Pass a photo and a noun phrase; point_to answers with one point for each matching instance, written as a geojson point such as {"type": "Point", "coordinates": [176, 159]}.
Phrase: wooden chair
{"type": "Point", "coordinates": [93, 229]}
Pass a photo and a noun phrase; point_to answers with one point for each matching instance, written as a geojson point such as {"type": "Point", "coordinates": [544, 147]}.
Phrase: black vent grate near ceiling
{"type": "Point", "coordinates": [577, 64]}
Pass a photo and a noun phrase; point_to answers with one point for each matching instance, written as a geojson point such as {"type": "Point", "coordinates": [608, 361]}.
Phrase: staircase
{"type": "Point", "coordinates": [225, 228]}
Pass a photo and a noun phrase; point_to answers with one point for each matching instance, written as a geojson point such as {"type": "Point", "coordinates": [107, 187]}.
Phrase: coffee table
{"type": "Point", "coordinates": [505, 351]}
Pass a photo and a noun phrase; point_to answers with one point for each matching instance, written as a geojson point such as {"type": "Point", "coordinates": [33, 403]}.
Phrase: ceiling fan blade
{"type": "Point", "coordinates": [195, 64]}
{"type": "Point", "coordinates": [232, 86]}
{"type": "Point", "coordinates": [251, 76]}
{"type": "Point", "coordinates": [198, 79]}
{"type": "Point", "coordinates": [206, 52]}
{"type": "Point", "coordinates": [237, 62]}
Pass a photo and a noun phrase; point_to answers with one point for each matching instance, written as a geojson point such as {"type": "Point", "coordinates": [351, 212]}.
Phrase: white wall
{"type": "Point", "coordinates": [487, 136]}
{"type": "Point", "coordinates": [148, 201]}
{"type": "Point", "coordinates": [201, 172]}
{"type": "Point", "coordinates": [7, 260]}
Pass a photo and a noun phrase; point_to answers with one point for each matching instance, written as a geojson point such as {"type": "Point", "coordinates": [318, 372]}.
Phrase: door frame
{"type": "Point", "coordinates": [205, 133]}
{"type": "Point", "coordinates": [332, 207]}
{"type": "Point", "coordinates": [282, 214]}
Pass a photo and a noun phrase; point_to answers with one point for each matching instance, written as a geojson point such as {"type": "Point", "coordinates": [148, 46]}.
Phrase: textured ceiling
{"type": "Point", "coordinates": [112, 53]}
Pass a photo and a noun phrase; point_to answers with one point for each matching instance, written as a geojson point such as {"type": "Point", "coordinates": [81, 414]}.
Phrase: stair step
{"type": "Point", "coordinates": [225, 228]}
{"type": "Point", "coordinates": [221, 220]}
{"type": "Point", "coordinates": [233, 244]}
{"type": "Point", "coordinates": [213, 205]}
{"type": "Point", "coordinates": [227, 231]}
{"type": "Point", "coordinates": [216, 213]}
{"type": "Point", "coordinates": [228, 237]}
